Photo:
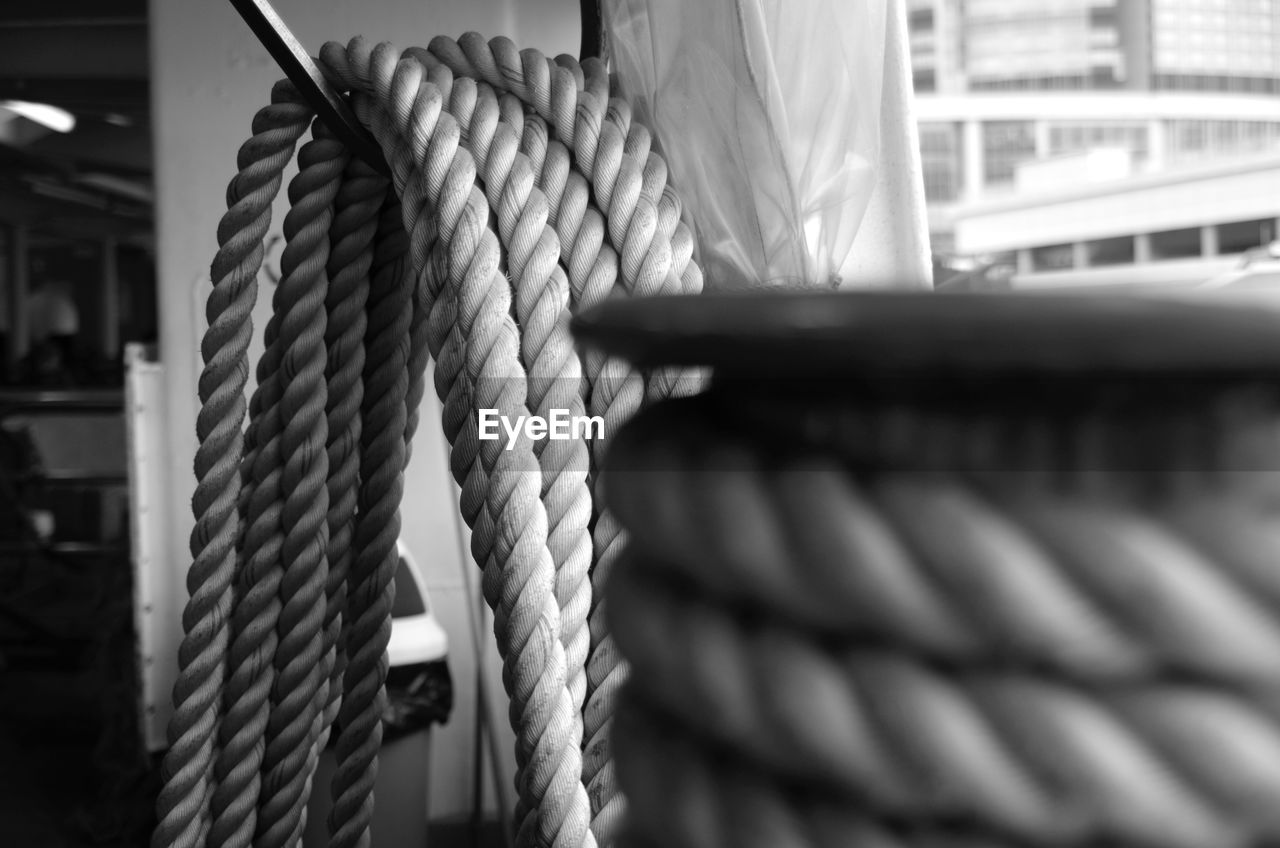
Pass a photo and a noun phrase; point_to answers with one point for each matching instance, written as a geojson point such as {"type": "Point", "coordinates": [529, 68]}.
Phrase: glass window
{"type": "Point", "coordinates": [920, 20]}
{"type": "Point", "coordinates": [1056, 257]}
{"type": "Point", "coordinates": [940, 161]}
{"type": "Point", "coordinates": [1111, 251]}
{"type": "Point", "coordinates": [1239, 236]}
{"type": "Point", "coordinates": [940, 184]}
{"type": "Point", "coordinates": [1176, 244]}
{"type": "Point", "coordinates": [924, 80]}
{"type": "Point", "coordinates": [1006, 144]}
{"type": "Point", "coordinates": [937, 138]}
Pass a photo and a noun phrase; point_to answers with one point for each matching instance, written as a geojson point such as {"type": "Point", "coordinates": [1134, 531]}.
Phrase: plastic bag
{"type": "Point", "coordinates": [769, 114]}
{"type": "Point", "coordinates": [418, 696]}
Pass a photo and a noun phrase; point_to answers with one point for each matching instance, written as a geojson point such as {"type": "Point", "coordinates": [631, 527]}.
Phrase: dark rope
{"type": "Point", "coordinates": [351, 256]}
{"type": "Point", "coordinates": [182, 806]}
{"type": "Point", "coordinates": [300, 300]}
{"type": "Point", "coordinates": [371, 580]}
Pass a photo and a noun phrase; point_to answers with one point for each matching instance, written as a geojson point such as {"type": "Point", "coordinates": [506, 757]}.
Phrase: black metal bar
{"type": "Point", "coordinates": [303, 72]}
{"type": "Point", "coordinates": [594, 44]}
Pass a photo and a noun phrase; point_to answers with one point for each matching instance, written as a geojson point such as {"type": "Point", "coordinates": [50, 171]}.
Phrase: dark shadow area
{"type": "Point", "coordinates": [77, 283]}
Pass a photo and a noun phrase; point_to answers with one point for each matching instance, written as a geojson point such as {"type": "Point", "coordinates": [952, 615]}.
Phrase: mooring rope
{"type": "Point", "coordinates": [520, 194]}
{"type": "Point", "coordinates": [1037, 668]}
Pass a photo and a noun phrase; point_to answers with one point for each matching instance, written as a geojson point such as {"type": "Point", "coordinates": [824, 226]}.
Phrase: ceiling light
{"type": "Point", "coordinates": [53, 117]}
{"type": "Point", "coordinates": [118, 120]}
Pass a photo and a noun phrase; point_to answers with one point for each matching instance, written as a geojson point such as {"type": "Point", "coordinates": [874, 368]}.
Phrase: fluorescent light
{"type": "Point", "coordinates": [115, 185]}
{"type": "Point", "coordinates": [56, 119]}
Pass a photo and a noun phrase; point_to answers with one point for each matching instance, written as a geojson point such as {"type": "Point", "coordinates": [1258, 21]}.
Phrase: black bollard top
{"type": "Point", "coordinates": [974, 334]}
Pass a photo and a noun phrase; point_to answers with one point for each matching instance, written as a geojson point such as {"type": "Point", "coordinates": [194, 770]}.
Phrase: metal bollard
{"type": "Point", "coordinates": [949, 570]}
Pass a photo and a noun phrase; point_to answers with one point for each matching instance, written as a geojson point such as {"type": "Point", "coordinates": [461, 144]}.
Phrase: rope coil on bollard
{"type": "Point", "coordinates": [491, 150]}
{"type": "Point", "coordinates": [935, 662]}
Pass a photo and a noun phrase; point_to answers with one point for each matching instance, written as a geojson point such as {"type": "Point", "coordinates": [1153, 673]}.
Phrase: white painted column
{"type": "Point", "coordinates": [1079, 255]}
{"type": "Point", "coordinates": [1041, 129]}
{"type": "Point", "coordinates": [1142, 248]}
{"type": "Point", "coordinates": [1208, 240]}
{"type": "Point", "coordinates": [1157, 145]}
{"type": "Point", "coordinates": [971, 153]}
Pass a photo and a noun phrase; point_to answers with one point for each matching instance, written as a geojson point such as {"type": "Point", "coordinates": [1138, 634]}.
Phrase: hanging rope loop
{"type": "Point", "coordinates": [520, 193]}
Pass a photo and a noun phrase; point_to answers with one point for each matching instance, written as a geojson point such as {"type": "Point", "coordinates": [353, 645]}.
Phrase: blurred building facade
{"type": "Point", "coordinates": [1020, 99]}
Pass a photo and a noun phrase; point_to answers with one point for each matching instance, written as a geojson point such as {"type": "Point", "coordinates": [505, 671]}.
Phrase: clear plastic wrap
{"type": "Point", "coordinates": [769, 116]}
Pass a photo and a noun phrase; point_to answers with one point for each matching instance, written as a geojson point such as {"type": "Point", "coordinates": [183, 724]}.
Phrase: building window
{"type": "Point", "coordinates": [1066, 138]}
{"type": "Point", "coordinates": [1192, 139]}
{"type": "Point", "coordinates": [1005, 145]}
{"type": "Point", "coordinates": [1240, 84]}
{"type": "Point", "coordinates": [1056, 257]}
{"type": "Point", "coordinates": [940, 161]}
{"type": "Point", "coordinates": [1176, 244]}
{"type": "Point", "coordinates": [1189, 137]}
{"type": "Point", "coordinates": [1111, 251]}
{"type": "Point", "coordinates": [940, 183]}
{"type": "Point", "coordinates": [937, 138]}
{"type": "Point", "coordinates": [1103, 17]}
{"type": "Point", "coordinates": [1062, 82]}
{"type": "Point", "coordinates": [1103, 76]}
{"type": "Point", "coordinates": [920, 20]}
{"type": "Point", "coordinates": [1239, 236]}
{"type": "Point", "coordinates": [925, 80]}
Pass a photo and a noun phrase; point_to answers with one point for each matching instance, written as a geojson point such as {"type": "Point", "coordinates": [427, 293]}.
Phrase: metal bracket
{"type": "Point", "coordinates": [330, 106]}
{"type": "Point", "coordinates": [595, 42]}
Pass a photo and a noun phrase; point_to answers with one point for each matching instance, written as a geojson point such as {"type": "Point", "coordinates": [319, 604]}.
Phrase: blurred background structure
{"type": "Point", "coordinates": [1063, 142]}
{"type": "Point", "coordinates": [119, 125]}
{"type": "Point", "coordinates": [1072, 142]}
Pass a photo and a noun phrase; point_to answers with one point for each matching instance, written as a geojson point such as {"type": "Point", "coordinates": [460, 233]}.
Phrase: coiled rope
{"type": "Point", "coordinates": [826, 658]}
{"type": "Point", "coordinates": [521, 192]}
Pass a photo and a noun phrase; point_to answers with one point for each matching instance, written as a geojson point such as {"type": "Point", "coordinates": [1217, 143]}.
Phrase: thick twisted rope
{"type": "Point", "coordinates": [307, 583]}
{"type": "Point", "coordinates": [508, 522]}
{"type": "Point", "coordinates": [710, 798]}
{"type": "Point", "coordinates": [548, 354]}
{"type": "Point", "coordinates": [182, 807]}
{"type": "Point", "coordinates": [371, 579]}
{"type": "Point", "coordinates": [617, 171]}
{"type": "Point", "coordinates": [350, 259]}
{"type": "Point", "coordinates": [300, 303]}
{"type": "Point", "coordinates": [1031, 688]}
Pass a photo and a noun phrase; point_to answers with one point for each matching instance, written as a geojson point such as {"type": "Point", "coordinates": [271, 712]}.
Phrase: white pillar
{"type": "Point", "coordinates": [972, 156]}
{"type": "Point", "coordinates": [1079, 255]}
{"type": "Point", "coordinates": [1157, 145]}
{"type": "Point", "coordinates": [1142, 248]}
{"type": "Point", "coordinates": [1208, 240]}
{"type": "Point", "coordinates": [1042, 138]}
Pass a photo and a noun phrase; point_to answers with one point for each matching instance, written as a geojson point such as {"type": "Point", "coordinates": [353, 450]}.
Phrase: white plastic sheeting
{"type": "Point", "coordinates": [782, 120]}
